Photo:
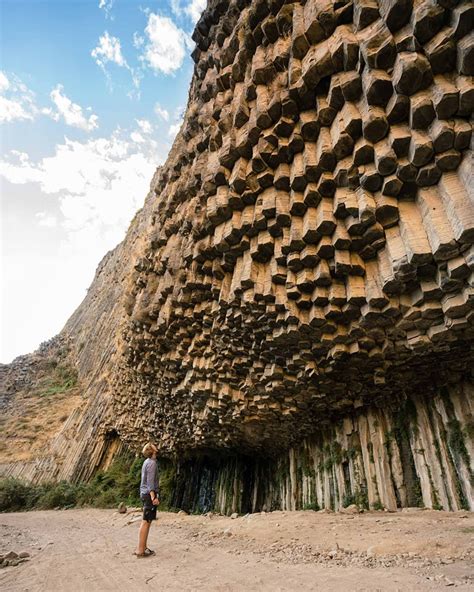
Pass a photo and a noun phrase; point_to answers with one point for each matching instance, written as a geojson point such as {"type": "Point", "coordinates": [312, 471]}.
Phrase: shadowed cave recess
{"type": "Point", "coordinates": [291, 314]}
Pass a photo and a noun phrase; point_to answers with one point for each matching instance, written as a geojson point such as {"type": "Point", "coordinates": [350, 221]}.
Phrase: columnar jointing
{"type": "Point", "coordinates": [310, 250]}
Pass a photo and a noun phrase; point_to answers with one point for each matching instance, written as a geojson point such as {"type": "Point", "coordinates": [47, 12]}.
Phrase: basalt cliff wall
{"type": "Point", "coordinates": [291, 314]}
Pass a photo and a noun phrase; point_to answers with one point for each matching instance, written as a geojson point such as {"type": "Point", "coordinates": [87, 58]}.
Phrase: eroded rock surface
{"type": "Point", "coordinates": [301, 273]}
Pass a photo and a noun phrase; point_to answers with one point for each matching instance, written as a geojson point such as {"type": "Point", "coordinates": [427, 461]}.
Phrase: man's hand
{"type": "Point", "coordinates": [155, 501]}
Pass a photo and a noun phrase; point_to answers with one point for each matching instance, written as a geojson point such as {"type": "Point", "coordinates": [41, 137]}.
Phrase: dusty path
{"type": "Point", "coordinates": [91, 550]}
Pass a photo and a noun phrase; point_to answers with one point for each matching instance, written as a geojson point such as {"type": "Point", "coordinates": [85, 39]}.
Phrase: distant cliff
{"type": "Point", "coordinates": [291, 314]}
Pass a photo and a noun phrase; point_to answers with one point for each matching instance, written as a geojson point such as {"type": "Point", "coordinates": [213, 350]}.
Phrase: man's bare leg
{"type": "Point", "coordinates": [143, 536]}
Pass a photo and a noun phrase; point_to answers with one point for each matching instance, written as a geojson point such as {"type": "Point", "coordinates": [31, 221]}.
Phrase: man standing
{"type": "Point", "coordinates": [149, 497]}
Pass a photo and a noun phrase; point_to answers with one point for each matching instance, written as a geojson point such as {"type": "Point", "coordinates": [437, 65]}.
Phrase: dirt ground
{"type": "Point", "coordinates": [92, 550]}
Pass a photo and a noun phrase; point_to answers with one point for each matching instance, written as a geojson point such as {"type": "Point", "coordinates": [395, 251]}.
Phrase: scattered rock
{"type": "Point", "coordinates": [122, 508]}
{"type": "Point", "coordinates": [234, 516]}
{"type": "Point", "coordinates": [352, 509]}
{"type": "Point", "coordinates": [12, 559]}
{"type": "Point", "coordinates": [182, 513]}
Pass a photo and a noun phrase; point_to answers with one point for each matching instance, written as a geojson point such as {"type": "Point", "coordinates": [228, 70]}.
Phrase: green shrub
{"type": "Point", "coordinates": [120, 483]}
{"type": "Point", "coordinates": [13, 495]}
{"type": "Point", "coordinates": [311, 506]}
{"type": "Point", "coordinates": [56, 495]}
{"type": "Point", "coordinates": [358, 497]}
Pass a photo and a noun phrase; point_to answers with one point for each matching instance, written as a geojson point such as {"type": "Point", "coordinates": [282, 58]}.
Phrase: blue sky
{"type": "Point", "coordinates": [92, 93]}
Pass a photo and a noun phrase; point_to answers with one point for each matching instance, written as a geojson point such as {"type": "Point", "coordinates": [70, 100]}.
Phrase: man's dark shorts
{"type": "Point", "coordinates": [149, 510]}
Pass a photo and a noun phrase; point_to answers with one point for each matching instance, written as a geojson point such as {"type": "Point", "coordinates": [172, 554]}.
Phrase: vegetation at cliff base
{"type": "Point", "coordinates": [119, 483]}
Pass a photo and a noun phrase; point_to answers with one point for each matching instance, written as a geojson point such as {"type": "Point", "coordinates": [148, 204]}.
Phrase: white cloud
{"type": "Point", "coordinates": [108, 50]}
{"type": "Point", "coordinates": [144, 125]}
{"type": "Point", "coordinates": [166, 44]}
{"type": "Point", "coordinates": [50, 113]}
{"type": "Point", "coordinates": [179, 112]}
{"type": "Point", "coordinates": [17, 101]}
{"type": "Point", "coordinates": [137, 137]}
{"type": "Point", "coordinates": [100, 182]}
{"type": "Point", "coordinates": [70, 112]}
{"type": "Point", "coordinates": [138, 40]}
{"type": "Point", "coordinates": [178, 121]}
{"type": "Point", "coordinates": [4, 84]}
{"type": "Point", "coordinates": [192, 9]}
{"type": "Point", "coordinates": [86, 194]}
{"type": "Point", "coordinates": [47, 220]}
{"type": "Point", "coordinates": [174, 129]}
{"type": "Point", "coordinates": [106, 6]}
{"type": "Point", "coordinates": [163, 113]}
{"type": "Point", "coordinates": [195, 8]}
{"type": "Point", "coordinates": [19, 170]}
{"type": "Point", "coordinates": [12, 109]}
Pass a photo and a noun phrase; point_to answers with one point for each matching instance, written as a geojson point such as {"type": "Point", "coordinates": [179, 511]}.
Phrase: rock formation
{"type": "Point", "coordinates": [291, 315]}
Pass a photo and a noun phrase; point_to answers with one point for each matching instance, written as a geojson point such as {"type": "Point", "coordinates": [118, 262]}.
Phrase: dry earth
{"type": "Point", "coordinates": [91, 550]}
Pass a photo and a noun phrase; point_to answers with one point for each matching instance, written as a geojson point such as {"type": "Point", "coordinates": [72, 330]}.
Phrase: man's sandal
{"type": "Point", "coordinates": [147, 553]}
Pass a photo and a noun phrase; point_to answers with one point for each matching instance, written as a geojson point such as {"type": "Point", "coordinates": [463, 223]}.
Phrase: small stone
{"type": "Point", "coordinates": [24, 554]}
{"type": "Point", "coordinates": [11, 555]}
{"type": "Point", "coordinates": [122, 508]}
{"type": "Point", "coordinates": [182, 513]}
{"type": "Point", "coordinates": [234, 516]}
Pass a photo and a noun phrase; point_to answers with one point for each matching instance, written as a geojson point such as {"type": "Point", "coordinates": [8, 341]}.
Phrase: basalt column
{"type": "Point", "coordinates": [310, 248]}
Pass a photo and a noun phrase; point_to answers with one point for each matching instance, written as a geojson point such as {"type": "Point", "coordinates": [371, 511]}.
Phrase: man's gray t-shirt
{"type": "Point", "coordinates": [149, 481]}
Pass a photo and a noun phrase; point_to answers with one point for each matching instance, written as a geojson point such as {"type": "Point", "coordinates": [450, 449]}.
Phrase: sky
{"type": "Point", "coordinates": [92, 94]}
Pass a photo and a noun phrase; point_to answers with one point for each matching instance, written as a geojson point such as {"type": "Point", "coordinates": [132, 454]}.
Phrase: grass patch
{"type": "Point", "coordinates": [62, 379]}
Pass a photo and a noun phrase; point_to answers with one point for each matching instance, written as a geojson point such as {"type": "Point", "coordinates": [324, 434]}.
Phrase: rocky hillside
{"type": "Point", "coordinates": [291, 314]}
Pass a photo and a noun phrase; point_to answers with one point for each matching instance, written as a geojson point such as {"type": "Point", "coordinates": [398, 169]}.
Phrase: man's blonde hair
{"type": "Point", "coordinates": [149, 449]}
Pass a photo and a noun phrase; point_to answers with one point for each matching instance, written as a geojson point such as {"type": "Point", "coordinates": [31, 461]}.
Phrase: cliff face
{"type": "Point", "coordinates": [291, 313]}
